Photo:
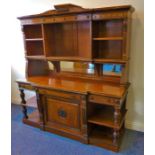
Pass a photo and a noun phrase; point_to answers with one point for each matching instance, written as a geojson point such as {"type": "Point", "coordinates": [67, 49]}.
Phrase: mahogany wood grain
{"type": "Point", "coordinates": [63, 112]}
{"type": "Point", "coordinates": [85, 104]}
{"type": "Point", "coordinates": [77, 86]}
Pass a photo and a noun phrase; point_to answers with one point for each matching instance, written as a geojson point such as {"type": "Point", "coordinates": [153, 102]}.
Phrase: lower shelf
{"type": "Point", "coordinates": [33, 119]}
{"type": "Point", "coordinates": [104, 138]}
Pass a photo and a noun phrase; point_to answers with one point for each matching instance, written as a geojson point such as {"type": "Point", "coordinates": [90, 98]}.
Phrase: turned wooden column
{"type": "Point", "coordinates": [115, 136]}
{"type": "Point", "coordinates": [40, 108]}
{"type": "Point", "coordinates": [83, 111]}
{"type": "Point", "coordinates": [23, 102]}
{"type": "Point", "coordinates": [117, 114]}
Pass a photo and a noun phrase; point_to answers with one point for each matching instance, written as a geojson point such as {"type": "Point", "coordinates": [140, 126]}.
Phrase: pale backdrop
{"type": "Point", "coordinates": [135, 104]}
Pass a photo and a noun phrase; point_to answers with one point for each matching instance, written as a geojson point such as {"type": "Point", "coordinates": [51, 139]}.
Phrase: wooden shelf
{"type": "Point", "coordinates": [100, 60]}
{"type": "Point", "coordinates": [69, 58]}
{"type": "Point", "coordinates": [33, 119]}
{"type": "Point", "coordinates": [34, 39]}
{"type": "Point", "coordinates": [105, 117]}
{"type": "Point", "coordinates": [103, 137]}
{"type": "Point", "coordinates": [107, 38]}
{"type": "Point", "coordinates": [36, 57]}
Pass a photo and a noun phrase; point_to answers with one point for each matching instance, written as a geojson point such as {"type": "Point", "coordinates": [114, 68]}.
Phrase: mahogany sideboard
{"type": "Point", "coordinates": [88, 101]}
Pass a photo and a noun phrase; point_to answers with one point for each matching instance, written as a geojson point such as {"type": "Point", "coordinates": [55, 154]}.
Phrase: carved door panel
{"type": "Point", "coordinates": [65, 113]}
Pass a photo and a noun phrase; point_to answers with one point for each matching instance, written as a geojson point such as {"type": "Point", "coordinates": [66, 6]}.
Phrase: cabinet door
{"type": "Point", "coordinates": [65, 113]}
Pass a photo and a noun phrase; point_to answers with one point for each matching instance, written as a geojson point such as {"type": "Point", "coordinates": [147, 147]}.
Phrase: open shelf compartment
{"type": "Point", "coordinates": [32, 31]}
{"type": "Point", "coordinates": [72, 39]}
{"type": "Point", "coordinates": [107, 39]}
{"type": "Point", "coordinates": [108, 28]}
{"type": "Point", "coordinates": [103, 137]}
{"type": "Point", "coordinates": [103, 115]}
{"type": "Point", "coordinates": [34, 48]}
{"type": "Point", "coordinates": [108, 49]}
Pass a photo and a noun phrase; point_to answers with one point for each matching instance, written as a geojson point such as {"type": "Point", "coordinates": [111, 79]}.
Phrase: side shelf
{"type": "Point", "coordinates": [104, 137]}
{"type": "Point", "coordinates": [33, 119]}
{"type": "Point", "coordinates": [106, 118]}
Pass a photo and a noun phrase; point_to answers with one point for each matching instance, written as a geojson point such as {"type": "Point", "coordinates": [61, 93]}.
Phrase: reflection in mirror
{"type": "Point", "coordinates": [112, 69]}
{"type": "Point", "coordinates": [51, 66]}
{"type": "Point", "coordinates": [77, 67]}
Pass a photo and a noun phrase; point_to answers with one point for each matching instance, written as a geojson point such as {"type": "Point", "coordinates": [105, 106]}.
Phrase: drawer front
{"type": "Point", "coordinates": [25, 86]}
{"type": "Point", "coordinates": [111, 15]}
{"type": "Point", "coordinates": [61, 112]}
{"type": "Point", "coordinates": [59, 94]}
{"type": "Point", "coordinates": [103, 99]}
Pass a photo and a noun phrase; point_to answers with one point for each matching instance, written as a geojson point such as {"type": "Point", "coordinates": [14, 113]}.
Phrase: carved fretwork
{"type": "Point", "coordinates": [23, 102]}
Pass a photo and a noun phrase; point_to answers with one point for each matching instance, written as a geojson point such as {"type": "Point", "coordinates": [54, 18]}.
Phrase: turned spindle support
{"type": "Point", "coordinates": [23, 102]}
{"type": "Point", "coordinates": [40, 108]}
{"type": "Point", "coordinates": [117, 115]}
{"type": "Point", "coordinates": [115, 136]}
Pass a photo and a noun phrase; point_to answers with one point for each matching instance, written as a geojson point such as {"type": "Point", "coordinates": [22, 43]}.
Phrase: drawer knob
{"type": "Point", "coordinates": [62, 113]}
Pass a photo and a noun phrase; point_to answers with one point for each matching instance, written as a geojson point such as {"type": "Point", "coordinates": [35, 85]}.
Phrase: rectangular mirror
{"type": "Point", "coordinates": [77, 67]}
{"type": "Point", "coordinates": [112, 69]}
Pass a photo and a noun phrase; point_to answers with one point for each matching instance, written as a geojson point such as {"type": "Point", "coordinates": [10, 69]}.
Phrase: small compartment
{"type": "Point", "coordinates": [107, 28]}
{"type": "Point", "coordinates": [112, 69]}
{"type": "Point", "coordinates": [104, 137]}
{"type": "Point", "coordinates": [108, 49]}
{"type": "Point", "coordinates": [104, 115]}
{"type": "Point", "coordinates": [37, 68]}
{"type": "Point", "coordinates": [100, 135]}
{"type": "Point", "coordinates": [101, 115]}
{"type": "Point", "coordinates": [32, 31]}
{"type": "Point", "coordinates": [34, 48]}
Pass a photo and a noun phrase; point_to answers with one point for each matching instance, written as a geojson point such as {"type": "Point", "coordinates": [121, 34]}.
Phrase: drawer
{"type": "Point", "coordinates": [59, 94]}
{"type": "Point", "coordinates": [64, 113]}
{"type": "Point", "coordinates": [111, 15]}
{"type": "Point", "coordinates": [102, 99]}
{"type": "Point", "coordinates": [25, 86]}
